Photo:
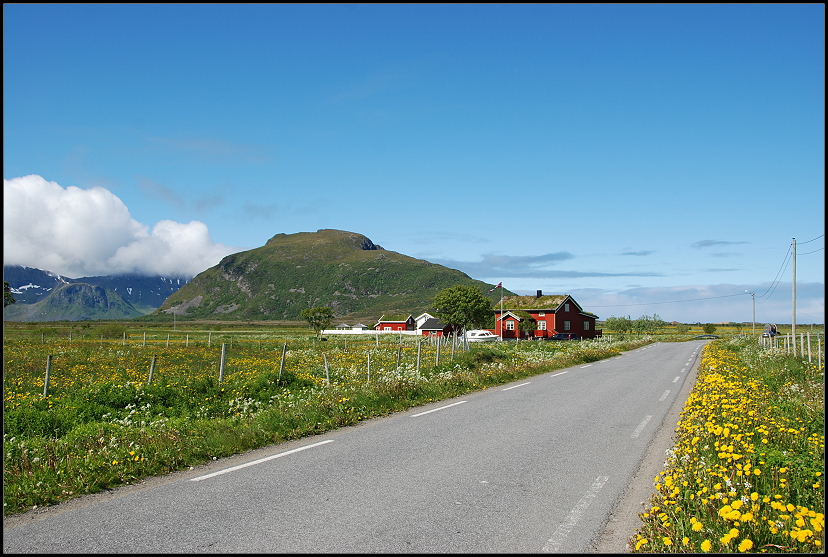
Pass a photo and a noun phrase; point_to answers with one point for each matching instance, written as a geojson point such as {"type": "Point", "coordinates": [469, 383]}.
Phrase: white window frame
{"type": "Point", "coordinates": [541, 325]}
{"type": "Point", "coordinates": [567, 325]}
{"type": "Point", "coordinates": [586, 325]}
{"type": "Point", "coordinates": [566, 307]}
{"type": "Point", "coordinates": [510, 325]}
{"type": "Point", "coordinates": [386, 328]}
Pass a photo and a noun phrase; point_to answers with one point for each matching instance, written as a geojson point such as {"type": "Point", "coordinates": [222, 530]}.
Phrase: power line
{"type": "Point", "coordinates": [817, 238]}
{"type": "Point", "coordinates": [672, 302]}
{"type": "Point", "coordinates": [809, 252]}
{"type": "Point", "coordinates": [779, 273]}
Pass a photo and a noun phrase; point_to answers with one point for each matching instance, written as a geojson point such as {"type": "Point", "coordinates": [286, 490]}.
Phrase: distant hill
{"type": "Point", "coordinates": [343, 270]}
{"type": "Point", "coordinates": [115, 297]}
{"type": "Point", "coordinates": [75, 301]}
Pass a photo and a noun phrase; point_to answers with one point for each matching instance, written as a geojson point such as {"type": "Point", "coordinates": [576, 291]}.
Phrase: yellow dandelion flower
{"type": "Point", "coordinates": [745, 545]}
{"type": "Point", "coordinates": [667, 541]}
{"type": "Point", "coordinates": [705, 546]}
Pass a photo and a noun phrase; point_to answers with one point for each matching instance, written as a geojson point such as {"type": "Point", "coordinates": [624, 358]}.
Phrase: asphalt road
{"type": "Point", "coordinates": [546, 464]}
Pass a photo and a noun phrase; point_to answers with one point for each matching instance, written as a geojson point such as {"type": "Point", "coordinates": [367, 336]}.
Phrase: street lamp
{"type": "Point", "coordinates": [753, 295]}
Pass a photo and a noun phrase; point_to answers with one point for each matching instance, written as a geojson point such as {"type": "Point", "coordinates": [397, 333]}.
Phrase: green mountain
{"type": "Point", "coordinates": [76, 301]}
{"type": "Point", "coordinates": [291, 272]}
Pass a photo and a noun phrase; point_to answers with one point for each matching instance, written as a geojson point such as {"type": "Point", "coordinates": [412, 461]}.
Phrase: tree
{"type": "Point", "coordinates": [618, 324]}
{"type": "Point", "coordinates": [8, 299]}
{"type": "Point", "coordinates": [527, 325]}
{"type": "Point", "coordinates": [462, 306]}
{"type": "Point", "coordinates": [647, 324]}
{"type": "Point", "coordinates": [318, 318]}
{"type": "Point", "coordinates": [709, 328]}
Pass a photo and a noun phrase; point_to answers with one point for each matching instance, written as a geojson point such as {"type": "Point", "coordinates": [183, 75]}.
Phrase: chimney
{"type": "Point", "coordinates": [540, 293]}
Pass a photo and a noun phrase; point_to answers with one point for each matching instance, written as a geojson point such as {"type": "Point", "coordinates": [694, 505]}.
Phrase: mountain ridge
{"type": "Point", "coordinates": [342, 270]}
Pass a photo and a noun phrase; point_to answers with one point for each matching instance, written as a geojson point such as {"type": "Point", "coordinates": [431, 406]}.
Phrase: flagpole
{"type": "Point", "coordinates": [501, 310]}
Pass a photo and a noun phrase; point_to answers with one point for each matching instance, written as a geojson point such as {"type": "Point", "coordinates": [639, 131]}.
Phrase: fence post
{"type": "Point", "coordinates": [399, 355]}
{"type": "Point", "coordinates": [419, 346]}
{"type": "Point", "coordinates": [327, 375]}
{"type": "Point", "coordinates": [282, 363]}
{"type": "Point", "coordinates": [152, 369]}
{"type": "Point", "coordinates": [809, 347]}
{"type": "Point", "coordinates": [209, 338]}
{"type": "Point", "coordinates": [369, 369]}
{"type": "Point", "coordinates": [223, 359]}
{"type": "Point", "coordinates": [168, 340]}
{"type": "Point", "coordinates": [123, 342]}
{"type": "Point", "coordinates": [439, 345]}
{"type": "Point", "coordinates": [48, 371]}
{"type": "Point", "coordinates": [145, 340]}
{"type": "Point", "coordinates": [187, 342]}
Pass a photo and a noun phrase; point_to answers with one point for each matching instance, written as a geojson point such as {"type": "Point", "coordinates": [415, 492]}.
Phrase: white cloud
{"type": "Point", "coordinates": [87, 232]}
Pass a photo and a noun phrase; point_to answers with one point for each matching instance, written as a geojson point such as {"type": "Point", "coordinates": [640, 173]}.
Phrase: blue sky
{"type": "Point", "coordinates": [642, 158]}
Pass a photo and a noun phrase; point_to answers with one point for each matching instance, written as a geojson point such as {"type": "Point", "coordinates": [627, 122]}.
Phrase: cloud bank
{"type": "Point", "coordinates": [89, 232]}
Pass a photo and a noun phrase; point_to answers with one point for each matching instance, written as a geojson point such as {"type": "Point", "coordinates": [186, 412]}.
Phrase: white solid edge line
{"type": "Point", "coordinates": [441, 408]}
{"type": "Point", "coordinates": [252, 462]}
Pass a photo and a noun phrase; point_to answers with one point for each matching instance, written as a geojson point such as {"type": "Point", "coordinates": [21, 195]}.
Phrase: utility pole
{"type": "Point", "coordinates": [753, 295]}
{"type": "Point", "coordinates": [793, 300]}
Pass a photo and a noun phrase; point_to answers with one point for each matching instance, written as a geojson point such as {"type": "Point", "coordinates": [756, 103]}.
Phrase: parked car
{"type": "Point", "coordinates": [481, 335]}
{"type": "Point", "coordinates": [564, 336]}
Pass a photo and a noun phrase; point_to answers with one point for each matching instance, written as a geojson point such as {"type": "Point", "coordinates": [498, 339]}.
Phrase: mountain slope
{"type": "Point", "coordinates": [291, 272]}
{"type": "Point", "coordinates": [75, 301]}
{"type": "Point", "coordinates": [30, 286]}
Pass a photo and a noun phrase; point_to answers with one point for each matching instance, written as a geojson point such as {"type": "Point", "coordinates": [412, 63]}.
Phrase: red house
{"type": "Point", "coordinates": [430, 326]}
{"type": "Point", "coordinates": [558, 313]}
{"type": "Point", "coordinates": [399, 322]}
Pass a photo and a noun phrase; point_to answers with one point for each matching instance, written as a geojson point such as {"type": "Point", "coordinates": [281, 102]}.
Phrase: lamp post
{"type": "Point", "coordinates": [753, 295]}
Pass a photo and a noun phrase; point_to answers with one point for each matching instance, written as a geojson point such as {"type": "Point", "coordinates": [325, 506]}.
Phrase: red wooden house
{"type": "Point", "coordinates": [399, 322]}
{"type": "Point", "coordinates": [551, 314]}
{"type": "Point", "coordinates": [432, 327]}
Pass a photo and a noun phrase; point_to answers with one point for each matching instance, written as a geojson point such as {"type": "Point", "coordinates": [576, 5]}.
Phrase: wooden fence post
{"type": "Point", "coordinates": [223, 359]}
{"type": "Point", "coordinates": [152, 369]}
{"type": "Point", "coordinates": [48, 371]}
{"type": "Point", "coordinates": [327, 375]}
{"type": "Point", "coordinates": [282, 363]}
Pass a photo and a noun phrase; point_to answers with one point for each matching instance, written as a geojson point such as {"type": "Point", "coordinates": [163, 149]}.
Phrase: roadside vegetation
{"type": "Point", "coordinates": [747, 473]}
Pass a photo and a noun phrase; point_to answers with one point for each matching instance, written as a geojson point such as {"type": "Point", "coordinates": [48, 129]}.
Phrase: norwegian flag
{"type": "Point", "coordinates": [499, 285]}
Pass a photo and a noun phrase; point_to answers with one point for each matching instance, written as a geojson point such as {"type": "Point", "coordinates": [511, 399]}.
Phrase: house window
{"type": "Point", "coordinates": [542, 325]}
{"type": "Point", "coordinates": [566, 325]}
{"type": "Point", "coordinates": [586, 325]}
{"type": "Point", "coordinates": [541, 314]}
{"type": "Point", "coordinates": [510, 325]}
{"type": "Point", "coordinates": [566, 307]}
{"type": "Point", "coordinates": [386, 328]}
